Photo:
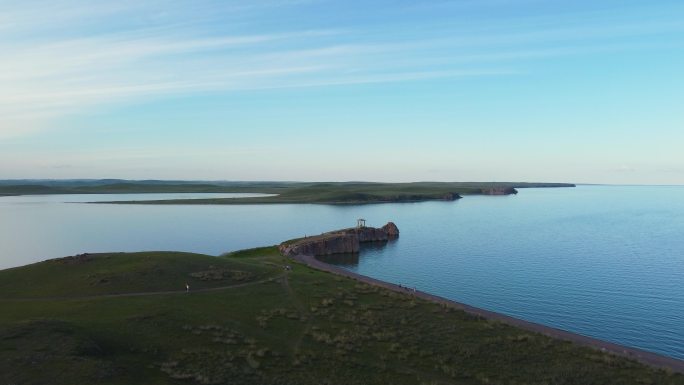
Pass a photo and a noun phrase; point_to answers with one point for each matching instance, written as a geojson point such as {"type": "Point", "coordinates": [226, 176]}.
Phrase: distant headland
{"type": "Point", "coordinates": [281, 192]}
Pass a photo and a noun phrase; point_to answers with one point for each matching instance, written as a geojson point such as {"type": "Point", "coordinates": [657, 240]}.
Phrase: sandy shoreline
{"type": "Point", "coordinates": [643, 356]}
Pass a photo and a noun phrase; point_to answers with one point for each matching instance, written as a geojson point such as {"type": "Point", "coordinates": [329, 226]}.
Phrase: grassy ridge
{"type": "Point", "coordinates": [300, 327]}
{"type": "Point", "coordinates": [288, 192]}
{"type": "Point", "coordinates": [358, 193]}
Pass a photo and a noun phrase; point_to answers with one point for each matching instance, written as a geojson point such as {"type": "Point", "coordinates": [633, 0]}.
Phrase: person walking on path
{"type": "Point", "coordinates": [187, 287]}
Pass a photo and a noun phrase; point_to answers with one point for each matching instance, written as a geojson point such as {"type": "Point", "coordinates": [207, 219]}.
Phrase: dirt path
{"type": "Point", "coordinates": [143, 293]}
{"type": "Point", "coordinates": [605, 346]}
{"type": "Point", "coordinates": [302, 311]}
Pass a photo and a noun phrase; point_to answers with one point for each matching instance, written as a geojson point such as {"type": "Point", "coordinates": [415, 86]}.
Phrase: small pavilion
{"type": "Point", "coordinates": [360, 223]}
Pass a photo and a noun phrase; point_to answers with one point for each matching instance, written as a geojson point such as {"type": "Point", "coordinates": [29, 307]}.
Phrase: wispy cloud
{"type": "Point", "coordinates": [65, 56]}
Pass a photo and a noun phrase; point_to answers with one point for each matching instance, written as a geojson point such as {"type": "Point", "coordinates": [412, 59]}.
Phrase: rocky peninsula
{"type": "Point", "coordinates": [339, 241]}
{"type": "Point", "coordinates": [305, 250]}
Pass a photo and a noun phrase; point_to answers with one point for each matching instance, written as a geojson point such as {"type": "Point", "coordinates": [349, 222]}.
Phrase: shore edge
{"type": "Point", "coordinates": [643, 356]}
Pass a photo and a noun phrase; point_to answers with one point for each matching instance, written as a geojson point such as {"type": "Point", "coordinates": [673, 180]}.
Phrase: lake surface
{"type": "Point", "coordinates": [604, 261]}
{"type": "Point", "coordinates": [89, 198]}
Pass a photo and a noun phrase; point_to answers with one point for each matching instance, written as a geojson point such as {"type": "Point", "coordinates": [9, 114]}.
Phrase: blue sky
{"type": "Point", "coordinates": [463, 90]}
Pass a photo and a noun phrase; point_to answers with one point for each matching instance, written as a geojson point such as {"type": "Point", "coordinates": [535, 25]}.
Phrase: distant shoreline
{"type": "Point", "coordinates": [335, 193]}
{"type": "Point", "coordinates": [643, 356]}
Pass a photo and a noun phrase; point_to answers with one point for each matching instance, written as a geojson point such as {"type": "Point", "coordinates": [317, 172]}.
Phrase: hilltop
{"type": "Point", "coordinates": [123, 318]}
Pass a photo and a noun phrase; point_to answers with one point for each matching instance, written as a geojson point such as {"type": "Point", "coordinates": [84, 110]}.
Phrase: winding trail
{"type": "Point", "coordinates": [642, 356]}
{"type": "Point", "coordinates": [143, 293]}
{"type": "Point", "coordinates": [302, 311]}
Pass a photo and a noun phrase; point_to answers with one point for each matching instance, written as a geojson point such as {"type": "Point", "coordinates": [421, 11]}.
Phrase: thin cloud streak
{"type": "Point", "coordinates": [44, 77]}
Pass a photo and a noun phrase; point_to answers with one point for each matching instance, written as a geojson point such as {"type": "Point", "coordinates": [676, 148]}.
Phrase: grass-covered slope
{"type": "Point", "coordinates": [299, 327]}
{"type": "Point", "coordinates": [120, 273]}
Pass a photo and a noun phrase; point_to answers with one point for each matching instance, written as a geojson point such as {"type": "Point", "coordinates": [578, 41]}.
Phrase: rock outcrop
{"type": "Point", "coordinates": [391, 229]}
{"type": "Point", "coordinates": [340, 241]}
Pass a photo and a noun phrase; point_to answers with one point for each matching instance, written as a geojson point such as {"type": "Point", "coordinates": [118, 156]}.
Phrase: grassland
{"type": "Point", "coordinates": [286, 192]}
{"type": "Point", "coordinates": [126, 319]}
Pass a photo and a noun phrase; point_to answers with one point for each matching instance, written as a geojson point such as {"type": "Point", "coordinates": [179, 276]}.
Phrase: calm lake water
{"type": "Point", "coordinates": [604, 261]}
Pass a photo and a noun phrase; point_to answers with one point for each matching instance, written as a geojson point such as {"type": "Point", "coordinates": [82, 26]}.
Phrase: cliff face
{"type": "Point", "coordinates": [323, 245]}
{"type": "Point", "coordinates": [341, 241]}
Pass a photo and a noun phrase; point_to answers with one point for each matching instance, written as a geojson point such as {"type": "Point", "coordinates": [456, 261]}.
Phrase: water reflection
{"type": "Point", "coordinates": [352, 259]}
{"type": "Point", "coordinates": [345, 260]}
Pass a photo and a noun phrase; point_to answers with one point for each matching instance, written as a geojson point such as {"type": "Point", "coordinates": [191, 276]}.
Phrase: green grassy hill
{"type": "Point", "coordinates": [125, 319]}
{"type": "Point", "coordinates": [120, 273]}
